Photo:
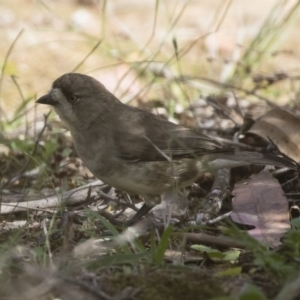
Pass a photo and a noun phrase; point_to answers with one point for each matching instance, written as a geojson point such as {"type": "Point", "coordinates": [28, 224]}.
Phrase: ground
{"type": "Point", "coordinates": [203, 64]}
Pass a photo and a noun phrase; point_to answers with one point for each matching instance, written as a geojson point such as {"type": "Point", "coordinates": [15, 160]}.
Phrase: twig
{"type": "Point", "coordinates": [289, 181]}
{"type": "Point", "coordinates": [212, 221]}
{"type": "Point", "coordinates": [48, 244]}
{"type": "Point", "coordinates": [109, 217]}
{"type": "Point", "coordinates": [214, 200]}
{"type": "Point", "coordinates": [117, 201]}
{"type": "Point", "coordinates": [71, 198]}
{"type": "Point", "coordinates": [226, 86]}
{"type": "Point", "coordinates": [219, 241]}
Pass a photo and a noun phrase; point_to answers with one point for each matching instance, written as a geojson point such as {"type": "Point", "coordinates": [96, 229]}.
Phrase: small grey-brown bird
{"type": "Point", "coordinates": [134, 150]}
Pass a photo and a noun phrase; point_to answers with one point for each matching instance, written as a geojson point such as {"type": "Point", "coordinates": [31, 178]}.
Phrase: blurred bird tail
{"type": "Point", "coordinates": [236, 159]}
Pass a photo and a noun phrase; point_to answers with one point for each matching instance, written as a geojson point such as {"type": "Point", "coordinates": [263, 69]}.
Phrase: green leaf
{"type": "Point", "coordinates": [162, 246]}
{"type": "Point", "coordinates": [232, 255]}
{"type": "Point", "coordinates": [216, 255]}
{"type": "Point", "coordinates": [230, 272]}
{"type": "Point", "coordinates": [296, 223]}
{"type": "Point", "coordinates": [252, 293]}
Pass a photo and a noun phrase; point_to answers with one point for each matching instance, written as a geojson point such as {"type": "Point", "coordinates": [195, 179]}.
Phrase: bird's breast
{"type": "Point", "coordinates": [135, 177]}
{"type": "Point", "coordinates": [150, 177]}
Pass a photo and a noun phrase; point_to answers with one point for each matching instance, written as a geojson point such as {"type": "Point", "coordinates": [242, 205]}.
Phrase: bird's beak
{"type": "Point", "coordinates": [46, 99]}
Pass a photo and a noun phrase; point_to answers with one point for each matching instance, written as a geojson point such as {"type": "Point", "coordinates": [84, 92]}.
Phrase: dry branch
{"type": "Point", "coordinates": [70, 198]}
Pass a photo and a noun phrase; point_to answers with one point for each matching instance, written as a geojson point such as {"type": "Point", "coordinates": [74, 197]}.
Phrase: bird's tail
{"type": "Point", "coordinates": [241, 158]}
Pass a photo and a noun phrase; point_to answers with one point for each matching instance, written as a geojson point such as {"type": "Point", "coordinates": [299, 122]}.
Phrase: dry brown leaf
{"type": "Point", "coordinates": [283, 128]}
{"type": "Point", "coordinates": [260, 201]}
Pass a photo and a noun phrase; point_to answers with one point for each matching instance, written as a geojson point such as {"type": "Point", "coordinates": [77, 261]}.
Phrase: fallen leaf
{"type": "Point", "coordinates": [177, 257]}
{"type": "Point", "coordinates": [282, 128]}
{"type": "Point", "coordinates": [216, 255]}
{"type": "Point", "coordinates": [235, 271]}
{"type": "Point", "coordinates": [260, 202]}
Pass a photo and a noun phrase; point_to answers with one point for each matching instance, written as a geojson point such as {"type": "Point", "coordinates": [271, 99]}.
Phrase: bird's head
{"type": "Point", "coordinates": [78, 99]}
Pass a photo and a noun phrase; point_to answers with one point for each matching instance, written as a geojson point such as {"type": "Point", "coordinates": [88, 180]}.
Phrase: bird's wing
{"type": "Point", "coordinates": [162, 140]}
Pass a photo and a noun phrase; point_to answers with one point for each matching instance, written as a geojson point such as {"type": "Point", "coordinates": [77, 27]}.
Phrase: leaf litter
{"type": "Point", "coordinates": [282, 127]}
{"type": "Point", "coordinates": [270, 219]}
{"type": "Point", "coordinates": [260, 202]}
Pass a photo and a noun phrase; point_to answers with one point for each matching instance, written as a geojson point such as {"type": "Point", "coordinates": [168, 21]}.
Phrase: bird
{"type": "Point", "coordinates": [136, 151]}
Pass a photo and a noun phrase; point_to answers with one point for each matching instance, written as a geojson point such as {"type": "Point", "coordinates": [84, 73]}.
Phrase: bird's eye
{"type": "Point", "coordinates": [73, 99]}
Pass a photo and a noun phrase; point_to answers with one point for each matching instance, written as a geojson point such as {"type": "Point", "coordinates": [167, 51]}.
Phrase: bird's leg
{"type": "Point", "coordinates": [140, 213]}
{"type": "Point", "coordinates": [150, 202]}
